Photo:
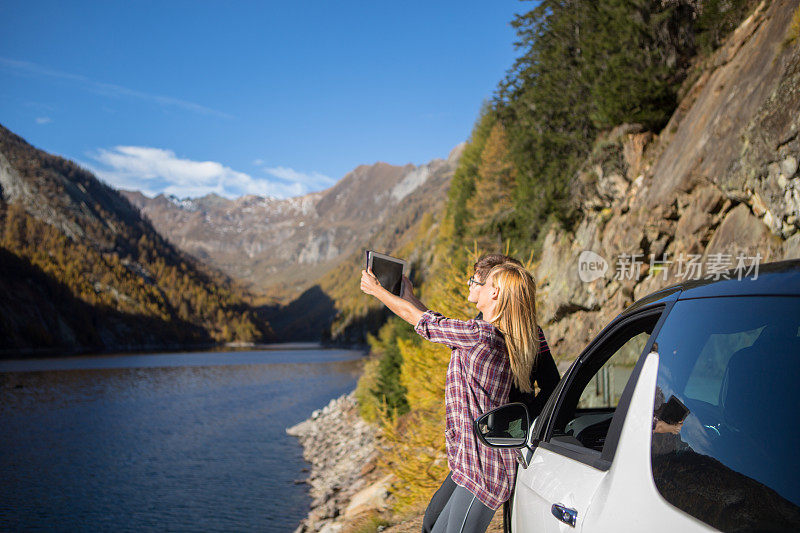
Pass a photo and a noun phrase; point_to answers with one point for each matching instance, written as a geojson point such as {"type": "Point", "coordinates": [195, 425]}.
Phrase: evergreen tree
{"type": "Point", "coordinates": [388, 391]}
{"type": "Point", "coordinates": [462, 186]}
{"type": "Point", "coordinates": [545, 105]}
{"type": "Point", "coordinates": [634, 52]}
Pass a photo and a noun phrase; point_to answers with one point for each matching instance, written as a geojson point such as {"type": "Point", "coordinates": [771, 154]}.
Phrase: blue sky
{"type": "Point", "coordinates": [269, 98]}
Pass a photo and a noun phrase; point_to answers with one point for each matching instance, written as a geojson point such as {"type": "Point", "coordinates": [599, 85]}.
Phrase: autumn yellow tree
{"type": "Point", "coordinates": [491, 207]}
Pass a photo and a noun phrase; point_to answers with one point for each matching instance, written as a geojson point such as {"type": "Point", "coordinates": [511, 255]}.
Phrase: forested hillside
{"type": "Point", "coordinates": [82, 271]}
{"type": "Point", "coordinates": [636, 127]}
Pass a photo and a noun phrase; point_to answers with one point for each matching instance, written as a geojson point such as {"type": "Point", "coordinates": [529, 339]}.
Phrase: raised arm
{"type": "Point", "coordinates": [405, 309]}
{"type": "Point", "coordinates": [408, 295]}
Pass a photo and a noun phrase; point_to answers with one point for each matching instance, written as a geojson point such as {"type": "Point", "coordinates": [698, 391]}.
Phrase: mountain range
{"type": "Point", "coordinates": [280, 247]}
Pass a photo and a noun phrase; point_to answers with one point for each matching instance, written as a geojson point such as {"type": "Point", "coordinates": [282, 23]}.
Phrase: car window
{"type": "Point", "coordinates": [588, 403]}
{"type": "Point", "coordinates": [705, 379]}
{"type": "Point", "coordinates": [605, 388]}
{"type": "Point", "coordinates": [725, 439]}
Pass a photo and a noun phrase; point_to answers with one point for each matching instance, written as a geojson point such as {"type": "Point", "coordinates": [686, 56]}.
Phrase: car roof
{"type": "Point", "coordinates": [776, 279]}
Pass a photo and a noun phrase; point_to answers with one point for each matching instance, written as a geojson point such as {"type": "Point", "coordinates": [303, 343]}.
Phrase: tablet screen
{"type": "Point", "coordinates": [388, 270]}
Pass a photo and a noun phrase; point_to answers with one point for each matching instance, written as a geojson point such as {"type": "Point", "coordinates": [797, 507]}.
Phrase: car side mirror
{"type": "Point", "coordinates": [504, 427]}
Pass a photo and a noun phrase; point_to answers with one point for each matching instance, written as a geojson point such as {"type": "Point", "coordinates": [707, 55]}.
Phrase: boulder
{"type": "Point", "coordinates": [742, 233]}
{"type": "Point", "coordinates": [791, 248]}
{"type": "Point", "coordinates": [633, 148]}
{"type": "Point", "coordinates": [789, 167]}
{"type": "Point", "coordinates": [372, 498]}
{"type": "Point", "coordinates": [562, 291]}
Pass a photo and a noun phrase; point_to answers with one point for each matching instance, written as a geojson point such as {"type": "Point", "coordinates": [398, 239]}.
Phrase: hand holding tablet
{"type": "Point", "coordinates": [389, 270]}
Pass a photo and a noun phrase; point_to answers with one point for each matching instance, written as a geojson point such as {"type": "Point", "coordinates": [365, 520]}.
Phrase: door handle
{"type": "Point", "coordinates": [566, 515]}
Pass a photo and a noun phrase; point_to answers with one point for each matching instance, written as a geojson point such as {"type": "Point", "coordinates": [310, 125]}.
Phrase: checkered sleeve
{"type": "Point", "coordinates": [449, 331]}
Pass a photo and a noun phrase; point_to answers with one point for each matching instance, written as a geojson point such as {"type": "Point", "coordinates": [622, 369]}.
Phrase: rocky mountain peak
{"type": "Point", "coordinates": [288, 243]}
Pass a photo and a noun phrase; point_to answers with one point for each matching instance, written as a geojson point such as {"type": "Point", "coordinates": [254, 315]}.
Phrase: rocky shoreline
{"type": "Point", "coordinates": [345, 486]}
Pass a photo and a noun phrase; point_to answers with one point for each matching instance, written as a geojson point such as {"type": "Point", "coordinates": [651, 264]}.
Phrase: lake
{"type": "Point", "coordinates": [178, 442]}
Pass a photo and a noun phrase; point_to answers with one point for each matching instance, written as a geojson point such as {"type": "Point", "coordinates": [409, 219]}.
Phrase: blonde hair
{"type": "Point", "coordinates": [515, 317]}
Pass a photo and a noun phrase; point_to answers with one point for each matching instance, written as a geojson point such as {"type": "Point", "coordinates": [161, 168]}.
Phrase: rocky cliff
{"type": "Point", "coordinates": [717, 189]}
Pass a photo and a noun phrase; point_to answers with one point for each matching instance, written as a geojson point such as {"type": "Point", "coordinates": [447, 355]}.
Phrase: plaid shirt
{"type": "Point", "coordinates": [478, 380]}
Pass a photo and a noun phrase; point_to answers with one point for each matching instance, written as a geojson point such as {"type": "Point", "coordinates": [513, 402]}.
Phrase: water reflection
{"type": "Point", "coordinates": [182, 447]}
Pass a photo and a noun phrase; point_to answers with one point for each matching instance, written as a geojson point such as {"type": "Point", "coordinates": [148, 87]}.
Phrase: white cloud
{"type": "Point", "coordinates": [258, 162]}
{"type": "Point", "coordinates": [313, 181]}
{"type": "Point", "coordinates": [156, 170]}
{"type": "Point", "coordinates": [43, 120]}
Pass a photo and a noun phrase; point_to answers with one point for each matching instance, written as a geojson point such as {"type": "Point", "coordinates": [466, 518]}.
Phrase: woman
{"type": "Point", "coordinates": [487, 356]}
{"type": "Point", "coordinates": [544, 374]}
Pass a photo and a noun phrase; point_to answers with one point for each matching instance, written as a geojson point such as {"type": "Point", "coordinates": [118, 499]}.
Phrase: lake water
{"type": "Point", "coordinates": [162, 442]}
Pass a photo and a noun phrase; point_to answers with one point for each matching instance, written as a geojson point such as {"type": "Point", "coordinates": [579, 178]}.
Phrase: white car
{"type": "Point", "coordinates": [679, 416]}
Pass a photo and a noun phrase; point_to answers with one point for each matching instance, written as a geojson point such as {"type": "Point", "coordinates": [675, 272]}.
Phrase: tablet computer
{"type": "Point", "coordinates": [389, 270]}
